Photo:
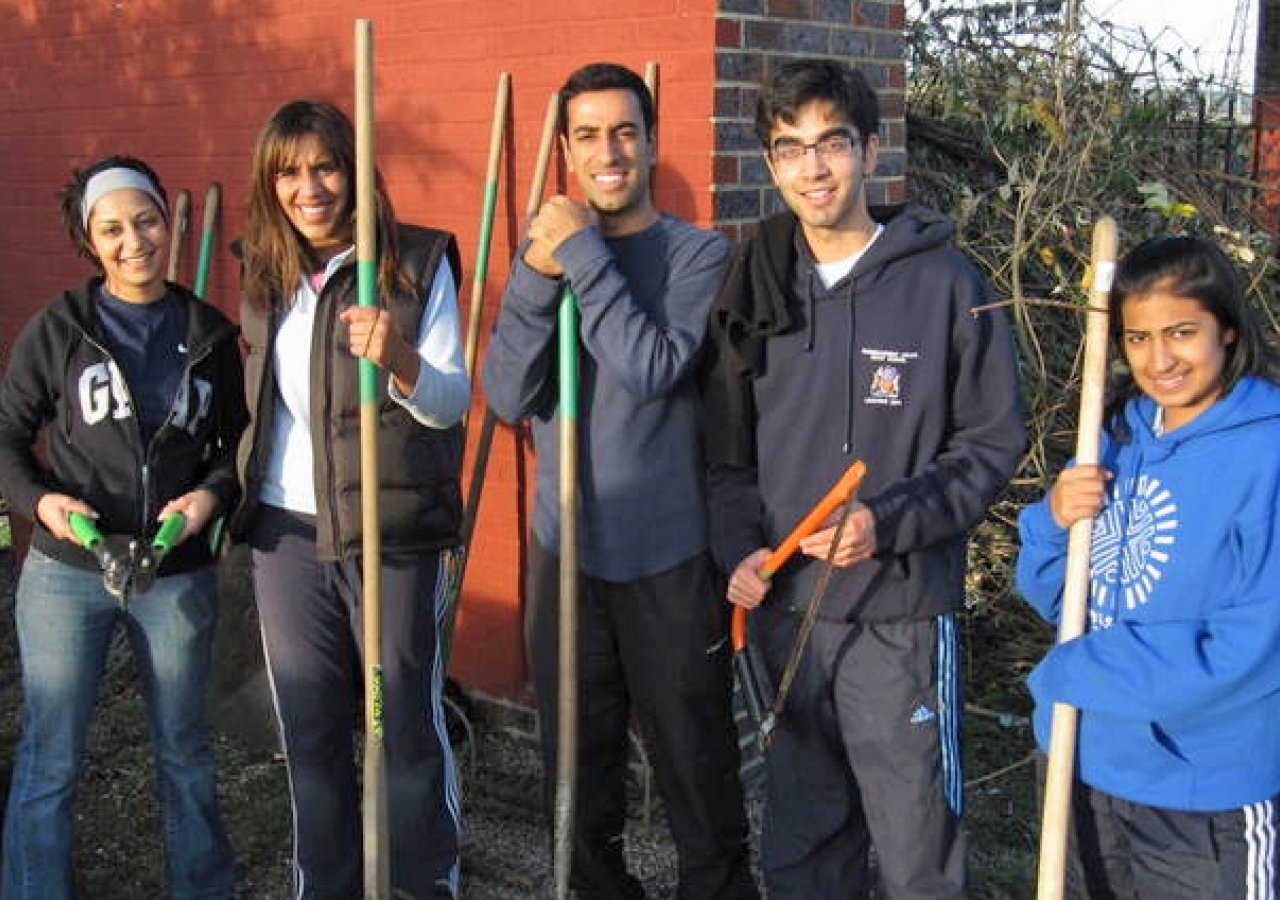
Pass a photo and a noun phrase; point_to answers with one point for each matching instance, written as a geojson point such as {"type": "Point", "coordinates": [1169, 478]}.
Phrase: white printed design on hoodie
{"type": "Point", "coordinates": [1132, 538]}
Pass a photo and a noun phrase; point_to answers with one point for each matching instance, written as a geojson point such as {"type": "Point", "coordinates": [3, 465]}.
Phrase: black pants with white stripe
{"type": "Point", "coordinates": [311, 620]}
{"type": "Point", "coordinates": [1120, 850]}
{"type": "Point", "coordinates": [866, 755]}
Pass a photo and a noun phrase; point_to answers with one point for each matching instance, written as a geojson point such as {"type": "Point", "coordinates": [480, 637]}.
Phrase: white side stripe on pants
{"type": "Point", "coordinates": [1260, 837]}
{"type": "Point", "coordinates": [949, 711]}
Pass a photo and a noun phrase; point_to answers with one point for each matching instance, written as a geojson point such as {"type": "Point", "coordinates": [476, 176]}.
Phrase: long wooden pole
{"type": "Point", "coordinates": [484, 443]}
{"type": "Point", "coordinates": [481, 271]}
{"type": "Point", "coordinates": [567, 716]}
{"type": "Point", "coordinates": [212, 199]}
{"type": "Point", "coordinates": [377, 870]}
{"type": "Point", "coordinates": [652, 80]}
{"type": "Point", "coordinates": [546, 147]}
{"type": "Point", "coordinates": [1055, 823]}
{"type": "Point", "coordinates": [567, 722]}
{"type": "Point", "coordinates": [178, 231]}
{"type": "Point", "coordinates": [501, 103]}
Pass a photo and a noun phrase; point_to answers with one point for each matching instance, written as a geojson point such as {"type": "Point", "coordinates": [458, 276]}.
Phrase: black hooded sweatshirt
{"type": "Point", "coordinates": [62, 378]}
{"type": "Point", "coordinates": [890, 365]}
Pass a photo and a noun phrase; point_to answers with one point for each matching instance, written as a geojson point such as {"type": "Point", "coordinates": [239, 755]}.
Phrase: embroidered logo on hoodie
{"type": "Point", "coordinates": [1131, 543]}
{"type": "Point", "coordinates": [103, 393]}
{"type": "Point", "coordinates": [885, 383]}
{"type": "Point", "coordinates": [192, 404]}
{"type": "Point", "coordinates": [886, 378]}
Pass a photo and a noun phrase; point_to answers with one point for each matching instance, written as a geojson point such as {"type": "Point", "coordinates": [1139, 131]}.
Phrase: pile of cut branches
{"type": "Point", "coordinates": [1025, 140]}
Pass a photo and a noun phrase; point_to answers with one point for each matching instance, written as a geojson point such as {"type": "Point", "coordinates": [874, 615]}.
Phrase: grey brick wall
{"type": "Point", "coordinates": [753, 37]}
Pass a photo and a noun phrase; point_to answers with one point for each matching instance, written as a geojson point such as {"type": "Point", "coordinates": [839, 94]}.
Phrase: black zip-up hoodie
{"type": "Point", "coordinates": [891, 366]}
{"type": "Point", "coordinates": [62, 378]}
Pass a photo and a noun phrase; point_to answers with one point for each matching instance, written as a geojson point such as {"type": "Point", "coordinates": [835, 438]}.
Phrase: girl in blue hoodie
{"type": "Point", "coordinates": [1177, 676]}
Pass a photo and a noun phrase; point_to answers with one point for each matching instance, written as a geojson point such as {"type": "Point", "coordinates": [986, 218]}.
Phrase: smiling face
{"type": "Point", "coordinates": [610, 152]}
{"type": "Point", "coordinates": [316, 197]}
{"type": "Point", "coordinates": [129, 236]}
{"type": "Point", "coordinates": [826, 190]}
{"type": "Point", "coordinates": [1177, 350]}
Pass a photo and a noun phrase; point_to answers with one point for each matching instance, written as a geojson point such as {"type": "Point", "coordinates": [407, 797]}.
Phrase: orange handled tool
{"type": "Point", "coordinates": [750, 673]}
{"type": "Point", "coordinates": [840, 493]}
{"type": "Point", "coordinates": [843, 490]}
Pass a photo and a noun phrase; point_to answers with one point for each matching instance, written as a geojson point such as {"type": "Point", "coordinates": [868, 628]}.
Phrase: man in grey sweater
{"type": "Point", "coordinates": [652, 626]}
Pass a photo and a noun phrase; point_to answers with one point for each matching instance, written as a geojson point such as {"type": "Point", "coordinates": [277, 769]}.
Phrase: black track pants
{"type": "Point", "coordinates": [657, 649]}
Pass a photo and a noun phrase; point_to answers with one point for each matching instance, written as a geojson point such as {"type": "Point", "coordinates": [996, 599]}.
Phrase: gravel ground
{"type": "Point", "coordinates": [506, 846]}
{"type": "Point", "coordinates": [505, 849]}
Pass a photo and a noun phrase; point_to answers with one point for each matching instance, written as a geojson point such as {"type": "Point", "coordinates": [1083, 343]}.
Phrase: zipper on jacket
{"type": "Point", "coordinates": [851, 366]}
{"type": "Point", "coordinates": [326, 446]}
{"type": "Point", "coordinates": [144, 473]}
{"type": "Point", "coordinates": [257, 461]}
{"type": "Point", "coordinates": [187, 376]}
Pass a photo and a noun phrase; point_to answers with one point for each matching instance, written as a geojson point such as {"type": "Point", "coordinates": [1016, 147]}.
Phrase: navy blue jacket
{"type": "Point", "coordinates": [890, 365]}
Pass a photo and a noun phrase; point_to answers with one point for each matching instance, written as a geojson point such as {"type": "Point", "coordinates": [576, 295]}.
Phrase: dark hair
{"type": "Point", "coordinates": [605, 77]}
{"type": "Point", "coordinates": [274, 253]}
{"type": "Point", "coordinates": [801, 82]}
{"type": "Point", "coordinates": [71, 199]}
{"type": "Point", "coordinates": [1197, 269]}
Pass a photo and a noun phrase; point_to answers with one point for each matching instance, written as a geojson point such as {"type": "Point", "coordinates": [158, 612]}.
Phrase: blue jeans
{"type": "Point", "coordinates": [65, 622]}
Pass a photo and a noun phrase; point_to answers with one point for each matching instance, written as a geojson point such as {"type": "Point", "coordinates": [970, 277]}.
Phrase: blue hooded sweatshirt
{"type": "Point", "coordinates": [1177, 676]}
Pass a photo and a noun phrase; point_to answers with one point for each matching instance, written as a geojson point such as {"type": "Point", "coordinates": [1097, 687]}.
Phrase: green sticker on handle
{"type": "Point", "coordinates": [377, 693]}
{"type": "Point", "coordinates": [367, 296]}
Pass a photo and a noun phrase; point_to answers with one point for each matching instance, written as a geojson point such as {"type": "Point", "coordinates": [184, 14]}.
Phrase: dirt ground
{"type": "Point", "coordinates": [505, 846]}
{"type": "Point", "coordinates": [118, 855]}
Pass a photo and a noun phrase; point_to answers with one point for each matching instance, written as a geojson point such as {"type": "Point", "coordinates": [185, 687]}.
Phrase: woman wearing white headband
{"type": "Point", "coordinates": [138, 385]}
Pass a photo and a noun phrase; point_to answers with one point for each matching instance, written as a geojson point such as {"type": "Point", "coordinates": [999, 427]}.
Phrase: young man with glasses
{"type": "Point", "coordinates": [844, 332]}
{"type": "Point", "coordinates": [651, 627]}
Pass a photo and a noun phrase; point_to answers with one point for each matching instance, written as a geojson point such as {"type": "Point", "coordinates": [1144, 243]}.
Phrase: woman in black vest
{"type": "Point", "coordinates": [300, 469]}
{"type": "Point", "coordinates": [136, 385]}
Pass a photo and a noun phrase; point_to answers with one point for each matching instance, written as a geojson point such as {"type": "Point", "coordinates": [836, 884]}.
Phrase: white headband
{"type": "Point", "coordinates": [117, 179]}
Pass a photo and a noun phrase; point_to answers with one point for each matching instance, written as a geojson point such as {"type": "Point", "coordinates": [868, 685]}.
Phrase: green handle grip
{"type": "Point", "coordinates": [170, 528]}
{"type": "Point", "coordinates": [85, 529]}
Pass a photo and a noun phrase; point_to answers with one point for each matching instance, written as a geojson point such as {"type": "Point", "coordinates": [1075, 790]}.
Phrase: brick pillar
{"type": "Point", "coordinates": [755, 36]}
{"type": "Point", "coordinates": [1266, 114]}
{"type": "Point", "coordinates": [1266, 165]}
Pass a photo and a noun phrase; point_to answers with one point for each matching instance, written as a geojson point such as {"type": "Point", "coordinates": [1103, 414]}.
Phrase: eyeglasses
{"type": "Point", "coordinates": [831, 147]}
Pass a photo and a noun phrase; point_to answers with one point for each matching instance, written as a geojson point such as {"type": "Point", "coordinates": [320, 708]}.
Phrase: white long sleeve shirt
{"type": "Point", "coordinates": [440, 396]}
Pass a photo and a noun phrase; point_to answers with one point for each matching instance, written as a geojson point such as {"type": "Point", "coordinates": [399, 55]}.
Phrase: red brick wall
{"type": "Point", "coordinates": [186, 84]}
{"type": "Point", "coordinates": [1266, 113]}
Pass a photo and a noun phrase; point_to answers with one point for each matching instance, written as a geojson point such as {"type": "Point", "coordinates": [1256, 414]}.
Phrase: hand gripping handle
{"type": "Point", "coordinates": [840, 493]}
